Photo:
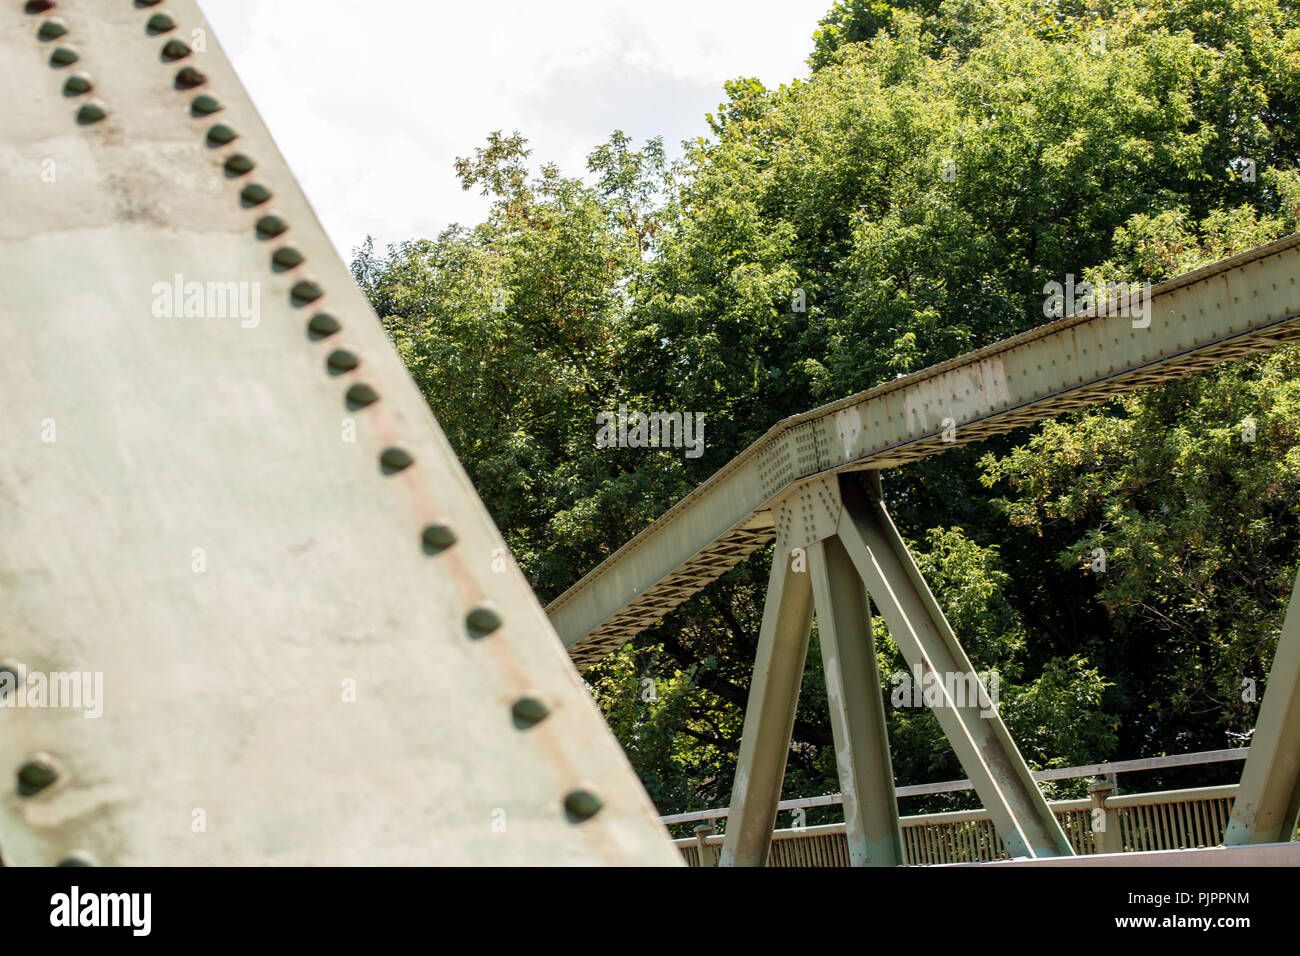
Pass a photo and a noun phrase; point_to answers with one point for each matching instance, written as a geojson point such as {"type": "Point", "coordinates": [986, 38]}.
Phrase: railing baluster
{"type": "Point", "coordinates": [1147, 822]}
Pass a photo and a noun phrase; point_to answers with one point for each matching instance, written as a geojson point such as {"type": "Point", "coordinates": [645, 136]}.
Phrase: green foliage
{"type": "Point", "coordinates": [1189, 492]}
{"type": "Point", "coordinates": [942, 162]}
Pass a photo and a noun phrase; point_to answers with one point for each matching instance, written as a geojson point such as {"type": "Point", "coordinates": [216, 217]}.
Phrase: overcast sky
{"type": "Point", "coordinates": [371, 103]}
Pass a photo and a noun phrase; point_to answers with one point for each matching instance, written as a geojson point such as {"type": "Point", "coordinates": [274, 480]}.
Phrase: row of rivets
{"type": "Point", "coordinates": [78, 84]}
{"type": "Point", "coordinates": [483, 619]}
{"type": "Point", "coordinates": [40, 771]}
{"type": "Point", "coordinates": [305, 291]}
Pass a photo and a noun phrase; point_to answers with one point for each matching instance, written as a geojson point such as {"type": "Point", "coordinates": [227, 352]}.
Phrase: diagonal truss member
{"type": "Point", "coordinates": [1267, 806]}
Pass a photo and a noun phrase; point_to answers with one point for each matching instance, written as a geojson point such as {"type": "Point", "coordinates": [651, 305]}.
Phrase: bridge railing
{"type": "Point", "coordinates": [1168, 820]}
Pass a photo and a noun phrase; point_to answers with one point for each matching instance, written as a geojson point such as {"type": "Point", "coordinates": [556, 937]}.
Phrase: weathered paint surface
{"type": "Point", "coordinates": [207, 510]}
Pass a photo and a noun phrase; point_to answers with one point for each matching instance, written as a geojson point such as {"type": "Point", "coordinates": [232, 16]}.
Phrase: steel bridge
{"type": "Point", "coordinates": [812, 486]}
{"type": "Point", "coordinates": [222, 493]}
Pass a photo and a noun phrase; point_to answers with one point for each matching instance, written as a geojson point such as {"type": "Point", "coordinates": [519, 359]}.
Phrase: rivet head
{"type": "Point", "coordinates": [91, 112]}
{"type": "Point", "coordinates": [205, 104]}
{"type": "Point", "coordinates": [254, 194]}
{"type": "Point", "coordinates": [38, 6]}
{"type": "Point", "coordinates": [286, 257]}
{"type": "Point", "coordinates": [483, 620]}
{"type": "Point", "coordinates": [268, 227]}
{"type": "Point", "coordinates": [174, 49]}
{"type": "Point", "coordinates": [52, 29]}
{"type": "Point", "coordinates": [220, 135]}
{"type": "Point", "coordinates": [581, 804]}
{"type": "Point", "coordinates": [394, 460]}
{"type": "Point", "coordinates": [64, 55]}
{"type": "Point", "coordinates": [438, 536]}
{"type": "Point", "coordinates": [361, 395]}
{"type": "Point", "coordinates": [77, 84]}
{"type": "Point", "coordinates": [78, 858]}
{"type": "Point", "coordinates": [304, 292]}
{"type": "Point", "coordinates": [528, 711]}
{"type": "Point", "coordinates": [341, 360]}
{"type": "Point", "coordinates": [36, 773]}
{"type": "Point", "coordinates": [323, 325]}
{"type": "Point", "coordinates": [238, 165]}
{"type": "Point", "coordinates": [160, 23]}
{"type": "Point", "coordinates": [187, 78]}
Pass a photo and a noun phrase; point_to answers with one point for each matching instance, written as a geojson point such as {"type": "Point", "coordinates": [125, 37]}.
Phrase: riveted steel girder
{"type": "Point", "coordinates": [1223, 311]}
{"type": "Point", "coordinates": [222, 495]}
{"type": "Point", "coordinates": [769, 715]}
{"type": "Point", "coordinates": [857, 711]}
{"type": "Point", "coordinates": [1267, 805]}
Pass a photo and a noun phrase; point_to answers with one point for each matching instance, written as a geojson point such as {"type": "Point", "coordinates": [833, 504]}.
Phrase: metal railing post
{"type": "Point", "coordinates": [708, 855]}
{"type": "Point", "coordinates": [1105, 820]}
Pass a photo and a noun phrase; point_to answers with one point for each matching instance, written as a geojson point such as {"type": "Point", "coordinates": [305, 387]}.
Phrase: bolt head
{"type": "Point", "coordinates": [77, 84]}
{"type": "Point", "coordinates": [220, 135]}
{"type": "Point", "coordinates": [483, 620]}
{"type": "Point", "coordinates": [438, 536]}
{"type": "Point", "coordinates": [394, 460]}
{"type": "Point", "coordinates": [360, 395]}
{"type": "Point", "coordinates": [174, 49]}
{"type": "Point", "coordinates": [52, 29]}
{"type": "Point", "coordinates": [160, 23]}
{"type": "Point", "coordinates": [529, 710]}
{"type": "Point", "coordinates": [64, 55]}
{"type": "Point", "coordinates": [270, 226]}
{"type": "Point", "coordinates": [582, 804]}
{"type": "Point", "coordinates": [91, 112]}
{"type": "Point", "coordinates": [36, 773]}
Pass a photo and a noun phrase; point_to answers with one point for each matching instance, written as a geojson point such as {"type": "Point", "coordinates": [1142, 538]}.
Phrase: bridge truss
{"type": "Point", "coordinates": [811, 485]}
{"type": "Point", "coordinates": [249, 524]}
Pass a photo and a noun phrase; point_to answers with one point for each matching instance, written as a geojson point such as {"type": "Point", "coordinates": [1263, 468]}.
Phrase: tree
{"type": "Point", "coordinates": [904, 204]}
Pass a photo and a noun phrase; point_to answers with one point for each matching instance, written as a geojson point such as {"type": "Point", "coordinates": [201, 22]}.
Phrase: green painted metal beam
{"type": "Point", "coordinates": [1224, 311]}
{"type": "Point", "coordinates": [769, 715]}
{"type": "Point", "coordinates": [973, 726]}
{"type": "Point", "coordinates": [239, 514]}
{"type": "Point", "coordinates": [1267, 806]}
{"type": "Point", "coordinates": [857, 712]}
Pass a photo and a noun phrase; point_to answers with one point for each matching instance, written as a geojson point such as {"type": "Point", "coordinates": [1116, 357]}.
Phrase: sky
{"type": "Point", "coordinates": [371, 103]}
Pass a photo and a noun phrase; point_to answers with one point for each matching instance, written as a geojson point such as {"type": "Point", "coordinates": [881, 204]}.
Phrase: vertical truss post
{"type": "Point", "coordinates": [1268, 801]}
{"type": "Point", "coordinates": [974, 728]}
{"type": "Point", "coordinates": [857, 711]}
{"type": "Point", "coordinates": [769, 715]}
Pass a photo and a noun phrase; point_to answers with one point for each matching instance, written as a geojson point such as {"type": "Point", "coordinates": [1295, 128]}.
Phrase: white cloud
{"type": "Point", "coordinates": [372, 103]}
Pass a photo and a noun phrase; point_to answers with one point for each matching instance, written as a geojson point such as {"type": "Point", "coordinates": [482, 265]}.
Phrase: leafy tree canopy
{"type": "Point", "coordinates": [903, 204]}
